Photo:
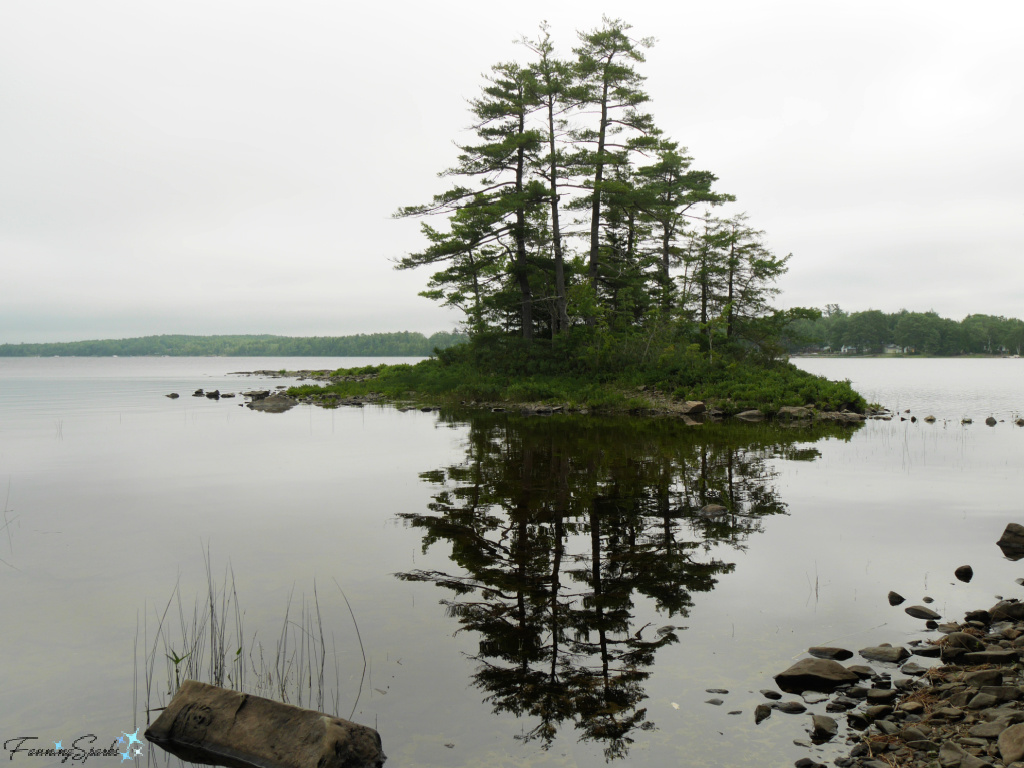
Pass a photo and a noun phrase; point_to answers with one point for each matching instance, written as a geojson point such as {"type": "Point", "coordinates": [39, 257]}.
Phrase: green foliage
{"type": "Point", "coordinates": [402, 344]}
{"type": "Point", "coordinates": [912, 333]}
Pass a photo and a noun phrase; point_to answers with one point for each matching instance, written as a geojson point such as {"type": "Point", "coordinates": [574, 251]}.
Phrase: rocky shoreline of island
{"type": "Point", "coordinates": [955, 700]}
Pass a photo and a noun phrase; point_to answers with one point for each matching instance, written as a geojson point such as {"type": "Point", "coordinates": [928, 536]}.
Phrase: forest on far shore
{"type": "Point", "coordinates": [905, 332]}
{"type": "Point", "coordinates": [400, 344]}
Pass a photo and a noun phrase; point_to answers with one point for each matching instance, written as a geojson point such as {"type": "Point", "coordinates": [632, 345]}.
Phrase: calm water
{"type": "Point", "coordinates": [528, 591]}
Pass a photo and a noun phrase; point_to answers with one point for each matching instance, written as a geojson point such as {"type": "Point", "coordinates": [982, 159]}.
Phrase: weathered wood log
{"type": "Point", "coordinates": [215, 726]}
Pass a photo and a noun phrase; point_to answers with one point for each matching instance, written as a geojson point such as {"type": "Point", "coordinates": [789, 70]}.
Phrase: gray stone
{"type": "Point", "coordinates": [888, 727]}
{"type": "Point", "coordinates": [991, 421]}
{"type": "Point", "coordinates": [982, 701]}
{"type": "Point", "coordinates": [1000, 656]}
{"type": "Point", "coordinates": [964, 641]}
{"type": "Point", "coordinates": [984, 677]}
{"type": "Point", "coordinates": [964, 573]}
{"type": "Point", "coordinates": [207, 724]}
{"type": "Point", "coordinates": [913, 668]}
{"type": "Point", "coordinates": [172, 395]}
{"type": "Point", "coordinates": [1012, 541]}
{"type": "Point", "coordinates": [895, 598]}
{"type": "Point", "coordinates": [814, 675]}
{"type": "Point", "coordinates": [793, 412]}
{"type": "Point", "coordinates": [886, 653]}
{"type": "Point", "coordinates": [276, 403]}
{"type": "Point", "coordinates": [721, 691]}
{"type": "Point", "coordinates": [1011, 743]}
{"type": "Point", "coordinates": [823, 728]}
{"type": "Point", "coordinates": [762, 712]}
{"type": "Point", "coordinates": [716, 702]}
{"type": "Point", "coordinates": [951, 754]}
{"type": "Point", "coordinates": [828, 652]}
{"type": "Point", "coordinates": [770, 694]}
{"type": "Point", "coordinates": [881, 696]}
{"type": "Point", "coordinates": [713, 512]}
{"type": "Point", "coordinates": [752, 415]}
{"type": "Point", "coordinates": [928, 651]}
{"type": "Point", "coordinates": [691, 408]}
{"type": "Point", "coordinates": [920, 612]}
{"type": "Point", "coordinates": [1007, 610]}
{"type": "Point", "coordinates": [791, 707]}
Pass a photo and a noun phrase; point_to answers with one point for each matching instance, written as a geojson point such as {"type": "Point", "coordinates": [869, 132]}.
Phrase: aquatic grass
{"type": "Point", "coordinates": [210, 644]}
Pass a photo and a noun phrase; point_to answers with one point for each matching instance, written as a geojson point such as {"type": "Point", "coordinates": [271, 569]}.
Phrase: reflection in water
{"type": "Point", "coordinates": [557, 525]}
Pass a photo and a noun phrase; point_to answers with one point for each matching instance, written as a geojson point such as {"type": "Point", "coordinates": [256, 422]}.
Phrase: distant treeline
{"type": "Point", "coordinates": [905, 332]}
{"type": "Point", "coordinates": [401, 344]}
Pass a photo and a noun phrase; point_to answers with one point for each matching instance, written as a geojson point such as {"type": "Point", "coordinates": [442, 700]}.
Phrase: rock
{"type": "Point", "coordinates": [721, 691]}
{"type": "Point", "coordinates": [823, 728]}
{"type": "Point", "coordinates": [793, 412]}
{"type": "Point", "coordinates": [207, 724]}
{"type": "Point", "coordinates": [1019, 422]}
{"type": "Point", "coordinates": [963, 641]}
{"type": "Point", "coordinates": [983, 616]}
{"type": "Point", "coordinates": [929, 419]}
{"type": "Point", "coordinates": [692, 408]}
{"type": "Point", "coordinates": [965, 573]}
{"type": "Point", "coordinates": [752, 415]}
{"type": "Point", "coordinates": [172, 395]}
{"type": "Point", "coordinates": [912, 668]}
{"type": "Point", "coordinates": [920, 612]}
{"type": "Point", "coordinates": [827, 652]}
{"type": "Point", "coordinates": [761, 712]}
{"type": "Point", "coordinates": [881, 696]}
{"type": "Point", "coordinates": [992, 656]}
{"type": "Point", "coordinates": [1007, 610]}
{"type": "Point", "coordinates": [895, 598]}
{"type": "Point", "coordinates": [991, 421]}
{"type": "Point", "coordinates": [887, 653]}
{"type": "Point", "coordinates": [862, 671]}
{"type": "Point", "coordinates": [198, 393]}
{"type": "Point", "coordinates": [791, 707]}
{"type": "Point", "coordinates": [215, 395]}
{"type": "Point", "coordinates": [713, 512]}
{"type": "Point", "coordinates": [928, 651]}
{"type": "Point", "coordinates": [1011, 743]}
{"type": "Point", "coordinates": [814, 675]}
{"type": "Point", "coordinates": [716, 702]}
{"type": "Point", "coordinates": [770, 694]}
{"type": "Point", "coordinates": [951, 754]}
{"type": "Point", "coordinates": [276, 403]}
{"type": "Point", "coordinates": [983, 678]}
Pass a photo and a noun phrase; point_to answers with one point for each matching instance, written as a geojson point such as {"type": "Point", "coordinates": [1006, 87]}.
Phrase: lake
{"type": "Point", "coordinates": [485, 589]}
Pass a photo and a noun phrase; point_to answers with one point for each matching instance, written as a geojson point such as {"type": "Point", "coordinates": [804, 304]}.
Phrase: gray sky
{"type": "Point", "coordinates": [231, 167]}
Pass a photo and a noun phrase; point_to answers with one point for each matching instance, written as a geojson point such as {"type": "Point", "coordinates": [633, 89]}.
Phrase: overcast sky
{"type": "Point", "coordinates": [232, 167]}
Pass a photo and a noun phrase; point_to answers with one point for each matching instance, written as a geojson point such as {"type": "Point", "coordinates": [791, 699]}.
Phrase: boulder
{"type": "Point", "coordinates": [793, 412]}
{"type": "Point", "coordinates": [276, 403]}
{"type": "Point", "coordinates": [895, 598]}
{"type": "Point", "coordinates": [713, 512]}
{"type": "Point", "coordinates": [814, 675]}
{"type": "Point", "coordinates": [920, 612]}
{"type": "Point", "coordinates": [207, 724]}
{"type": "Point", "coordinates": [823, 728]}
{"type": "Point", "coordinates": [752, 415]}
{"type": "Point", "coordinates": [1007, 610]}
{"type": "Point", "coordinates": [827, 652]}
{"type": "Point", "coordinates": [1011, 743]}
{"type": "Point", "coordinates": [887, 653]}
{"type": "Point", "coordinates": [964, 573]}
{"type": "Point", "coordinates": [692, 408]}
{"type": "Point", "coordinates": [1012, 541]}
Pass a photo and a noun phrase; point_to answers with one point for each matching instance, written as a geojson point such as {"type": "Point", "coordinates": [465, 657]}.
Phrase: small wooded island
{"type": "Point", "coordinates": [582, 247]}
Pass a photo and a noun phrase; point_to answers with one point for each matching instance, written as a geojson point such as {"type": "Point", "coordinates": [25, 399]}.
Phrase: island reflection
{"type": "Point", "coordinates": [556, 524]}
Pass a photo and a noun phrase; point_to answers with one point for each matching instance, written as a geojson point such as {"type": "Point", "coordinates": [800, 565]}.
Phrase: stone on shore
{"type": "Point", "coordinates": [823, 728]}
{"type": "Point", "coordinates": [886, 653]}
{"type": "Point", "coordinates": [895, 598]}
{"type": "Point", "coordinates": [752, 415]}
{"type": "Point", "coordinates": [1011, 743]}
{"type": "Point", "coordinates": [276, 403]}
{"type": "Point", "coordinates": [692, 408]}
{"type": "Point", "coordinates": [814, 675]}
{"type": "Point", "coordinates": [793, 412]}
{"type": "Point", "coordinates": [1012, 541]}
{"type": "Point", "coordinates": [207, 724]}
{"type": "Point", "coordinates": [920, 612]}
{"type": "Point", "coordinates": [828, 652]}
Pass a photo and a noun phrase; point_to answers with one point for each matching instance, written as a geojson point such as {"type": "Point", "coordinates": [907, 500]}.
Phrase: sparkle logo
{"type": "Point", "coordinates": [130, 753]}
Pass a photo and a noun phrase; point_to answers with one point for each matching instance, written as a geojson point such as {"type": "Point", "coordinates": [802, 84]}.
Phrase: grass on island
{"type": "Point", "coordinates": [513, 373]}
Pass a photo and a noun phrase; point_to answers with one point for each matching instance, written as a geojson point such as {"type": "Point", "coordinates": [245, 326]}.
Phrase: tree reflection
{"type": "Point", "coordinates": [559, 526]}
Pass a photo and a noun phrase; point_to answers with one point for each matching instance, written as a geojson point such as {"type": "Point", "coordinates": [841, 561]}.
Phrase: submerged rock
{"type": "Point", "coordinates": [1012, 541]}
{"type": "Point", "coordinates": [276, 403]}
{"type": "Point", "coordinates": [814, 675]}
{"type": "Point", "coordinates": [207, 724]}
